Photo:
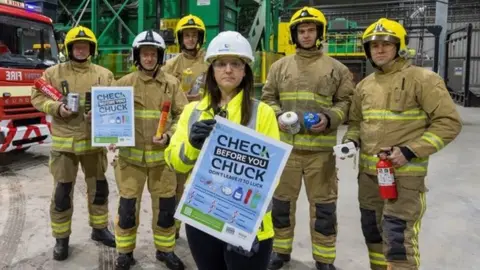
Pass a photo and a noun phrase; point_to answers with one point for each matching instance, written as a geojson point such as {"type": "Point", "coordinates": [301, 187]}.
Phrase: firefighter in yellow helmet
{"type": "Point", "coordinates": [144, 163]}
{"type": "Point", "coordinates": [308, 82]}
{"type": "Point", "coordinates": [407, 111]}
{"type": "Point", "coordinates": [189, 67]}
{"type": "Point", "coordinates": [71, 144]}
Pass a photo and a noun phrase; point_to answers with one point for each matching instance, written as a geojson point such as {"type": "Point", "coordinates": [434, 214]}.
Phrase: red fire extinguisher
{"type": "Point", "coordinates": [386, 177]}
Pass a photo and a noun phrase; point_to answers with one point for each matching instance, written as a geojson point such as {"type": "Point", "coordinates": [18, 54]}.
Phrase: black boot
{"type": "Point", "coordinates": [124, 261]}
{"type": "Point", "coordinates": [324, 266]}
{"type": "Point", "coordinates": [170, 259]}
{"type": "Point", "coordinates": [277, 260]}
{"type": "Point", "coordinates": [60, 251]}
{"type": "Point", "coordinates": [104, 236]}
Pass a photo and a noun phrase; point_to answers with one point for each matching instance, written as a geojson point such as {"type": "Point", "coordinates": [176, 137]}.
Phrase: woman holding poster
{"type": "Point", "coordinates": [229, 86]}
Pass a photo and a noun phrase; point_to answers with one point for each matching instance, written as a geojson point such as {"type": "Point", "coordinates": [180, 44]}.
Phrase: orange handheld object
{"type": "Point", "coordinates": [163, 118]}
{"type": "Point", "coordinates": [48, 89]}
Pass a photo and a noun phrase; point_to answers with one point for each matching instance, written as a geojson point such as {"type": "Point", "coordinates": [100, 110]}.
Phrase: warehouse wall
{"type": "Point", "coordinates": [457, 50]}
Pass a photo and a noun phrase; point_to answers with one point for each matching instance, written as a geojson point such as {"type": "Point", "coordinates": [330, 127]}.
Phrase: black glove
{"type": "Point", "coordinates": [200, 131]}
{"type": "Point", "coordinates": [243, 252]}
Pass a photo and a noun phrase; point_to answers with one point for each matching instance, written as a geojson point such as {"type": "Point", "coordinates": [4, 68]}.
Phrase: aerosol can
{"type": "Point", "coordinates": [386, 177]}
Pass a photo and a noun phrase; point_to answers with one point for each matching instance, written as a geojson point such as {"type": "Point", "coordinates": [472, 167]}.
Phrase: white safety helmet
{"type": "Point", "coordinates": [148, 38]}
{"type": "Point", "coordinates": [229, 43]}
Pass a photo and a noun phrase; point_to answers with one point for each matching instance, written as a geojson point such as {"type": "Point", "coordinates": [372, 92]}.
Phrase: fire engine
{"type": "Point", "coordinates": [23, 30]}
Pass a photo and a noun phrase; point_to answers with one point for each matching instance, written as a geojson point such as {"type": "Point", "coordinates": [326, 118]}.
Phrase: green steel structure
{"type": "Point", "coordinates": [117, 22]}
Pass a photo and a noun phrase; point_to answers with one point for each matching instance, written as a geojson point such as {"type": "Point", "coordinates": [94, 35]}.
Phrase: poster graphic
{"type": "Point", "coordinates": [232, 183]}
{"type": "Point", "coordinates": [113, 119]}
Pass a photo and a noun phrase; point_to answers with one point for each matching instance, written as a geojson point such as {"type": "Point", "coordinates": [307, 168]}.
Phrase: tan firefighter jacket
{"type": "Point", "coordinates": [403, 105]}
{"type": "Point", "coordinates": [182, 61]}
{"type": "Point", "coordinates": [71, 134]}
{"type": "Point", "coordinates": [149, 95]}
{"type": "Point", "coordinates": [310, 81]}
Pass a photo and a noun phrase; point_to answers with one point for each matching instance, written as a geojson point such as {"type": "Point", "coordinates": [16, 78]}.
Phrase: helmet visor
{"type": "Point", "coordinates": [381, 37]}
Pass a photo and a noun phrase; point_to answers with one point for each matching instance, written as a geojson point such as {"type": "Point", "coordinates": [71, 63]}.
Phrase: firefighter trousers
{"type": "Point", "coordinates": [64, 169]}
{"type": "Point", "coordinates": [391, 227]}
{"type": "Point", "coordinates": [320, 177]}
{"type": "Point", "coordinates": [161, 184]}
{"type": "Point", "coordinates": [181, 179]}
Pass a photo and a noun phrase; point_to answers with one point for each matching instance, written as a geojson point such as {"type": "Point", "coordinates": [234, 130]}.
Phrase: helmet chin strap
{"type": "Point", "coordinates": [73, 58]}
{"type": "Point", "coordinates": [154, 69]}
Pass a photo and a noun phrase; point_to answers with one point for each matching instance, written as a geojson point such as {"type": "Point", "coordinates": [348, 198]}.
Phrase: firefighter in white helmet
{"type": "Point", "coordinates": [189, 67]}
{"type": "Point", "coordinates": [71, 145]}
{"type": "Point", "coordinates": [308, 82]}
{"type": "Point", "coordinates": [145, 162]}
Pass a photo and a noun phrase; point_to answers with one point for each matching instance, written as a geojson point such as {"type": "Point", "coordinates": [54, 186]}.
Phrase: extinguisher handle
{"type": "Point", "coordinates": [387, 153]}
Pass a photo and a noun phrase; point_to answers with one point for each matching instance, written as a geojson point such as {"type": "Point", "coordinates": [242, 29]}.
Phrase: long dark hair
{"type": "Point", "coordinates": [211, 88]}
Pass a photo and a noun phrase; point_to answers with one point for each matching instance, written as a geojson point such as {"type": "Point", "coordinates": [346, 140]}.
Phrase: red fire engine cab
{"type": "Point", "coordinates": [27, 48]}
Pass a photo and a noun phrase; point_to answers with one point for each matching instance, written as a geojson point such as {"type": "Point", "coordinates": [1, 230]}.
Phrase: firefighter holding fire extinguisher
{"type": "Point", "coordinates": [400, 115]}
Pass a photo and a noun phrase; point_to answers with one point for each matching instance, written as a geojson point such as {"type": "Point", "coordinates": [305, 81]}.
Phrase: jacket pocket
{"type": "Point", "coordinates": [413, 183]}
{"type": "Point", "coordinates": [402, 96]}
{"type": "Point", "coordinates": [326, 86]}
{"type": "Point", "coordinates": [325, 90]}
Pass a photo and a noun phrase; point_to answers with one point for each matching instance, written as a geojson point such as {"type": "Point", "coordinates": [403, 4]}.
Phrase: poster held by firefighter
{"type": "Point", "coordinates": [232, 183]}
{"type": "Point", "coordinates": [113, 118]}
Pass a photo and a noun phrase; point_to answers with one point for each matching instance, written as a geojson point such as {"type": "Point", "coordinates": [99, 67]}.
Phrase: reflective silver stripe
{"type": "Point", "coordinates": [252, 124]}
{"type": "Point", "coordinates": [193, 118]}
{"type": "Point", "coordinates": [184, 158]}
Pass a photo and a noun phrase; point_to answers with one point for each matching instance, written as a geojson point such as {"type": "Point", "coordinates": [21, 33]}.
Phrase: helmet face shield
{"type": "Point", "coordinates": [386, 30]}
{"type": "Point", "coordinates": [388, 38]}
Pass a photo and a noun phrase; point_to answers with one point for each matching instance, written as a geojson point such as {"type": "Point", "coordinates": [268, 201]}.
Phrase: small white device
{"type": "Point", "coordinates": [345, 150]}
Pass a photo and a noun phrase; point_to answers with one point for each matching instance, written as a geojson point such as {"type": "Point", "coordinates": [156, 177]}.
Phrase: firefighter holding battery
{"type": "Point", "coordinates": [189, 67]}
{"type": "Point", "coordinates": [71, 143]}
{"type": "Point", "coordinates": [406, 111]}
{"type": "Point", "coordinates": [145, 161]}
{"type": "Point", "coordinates": [313, 83]}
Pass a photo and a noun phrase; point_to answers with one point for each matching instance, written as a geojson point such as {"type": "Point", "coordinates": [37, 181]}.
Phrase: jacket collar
{"type": "Point", "coordinates": [199, 55]}
{"type": "Point", "coordinates": [234, 104]}
{"type": "Point", "coordinates": [394, 66]}
{"type": "Point", "coordinates": [309, 53]}
{"type": "Point", "coordinates": [80, 67]}
{"type": "Point", "coordinates": [160, 76]}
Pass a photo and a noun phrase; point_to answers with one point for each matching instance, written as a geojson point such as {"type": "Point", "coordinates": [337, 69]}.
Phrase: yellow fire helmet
{"type": "Point", "coordinates": [190, 22]}
{"type": "Point", "coordinates": [387, 30]}
{"type": "Point", "coordinates": [80, 33]}
{"type": "Point", "coordinates": [308, 15]}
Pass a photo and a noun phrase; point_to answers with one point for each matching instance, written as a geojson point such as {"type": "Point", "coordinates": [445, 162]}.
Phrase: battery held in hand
{"type": "Point", "coordinates": [88, 101]}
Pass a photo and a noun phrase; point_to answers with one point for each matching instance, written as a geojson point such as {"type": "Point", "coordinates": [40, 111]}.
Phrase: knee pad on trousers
{"type": "Point", "coordinates": [325, 218]}
{"type": "Point", "coordinates": [101, 193]}
{"type": "Point", "coordinates": [62, 196]}
{"type": "Point", "coordinates": [395, 233]}
{"type": "Point", "coordinates": [370, 227]}
{"type": "Point", "coordinates": [280, 213]}
{"type": "Point", "coordinates": [126, 213]}
{"type": "Point", "coordinates": [167, 210]}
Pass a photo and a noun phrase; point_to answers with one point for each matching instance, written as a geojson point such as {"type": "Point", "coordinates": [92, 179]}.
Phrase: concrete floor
{"type": "Point", "coordinates": [449, 237]}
